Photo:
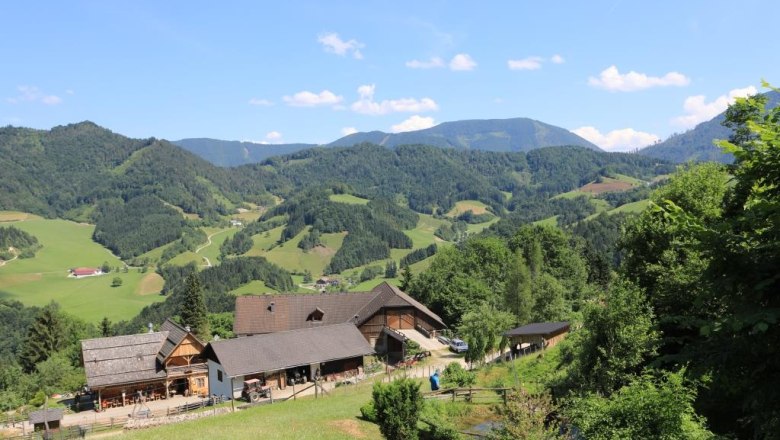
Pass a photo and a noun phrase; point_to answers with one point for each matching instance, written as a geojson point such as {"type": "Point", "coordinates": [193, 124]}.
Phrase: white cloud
{"type": "Point", "coordinates": [273, 135]}
{"type": "Point", "coordinates": [346, 131]}
{"type": "Point", "coordinates": [261, 102]}
{"type": "Point", "coordinates": [611, 79]}
{"type": "Point", "coordinates": [698, 110]}
{"type": "Point", "coordinates": [434, 62]}
{"type": "Point", "coordinates": [70, 92]}
{"type": "Point", "coordinates": [332, 43]}
{"type": "Point", "coordinates": [34, 94]}
{"type": "Point", "coordinates": [557, 59]}
{"type": "Point", "coordinates": [624, 139]}
{"type": "Point", "coordinates": [530, 63]}
{"type": "Point", "coordinates": [462, 61]}
{"type": "Point", "coordinates": [309, 99]}
{"type": "Point", "coordinates": [366, 104]}
{"type": "Point", "coordinates": [415, 122]}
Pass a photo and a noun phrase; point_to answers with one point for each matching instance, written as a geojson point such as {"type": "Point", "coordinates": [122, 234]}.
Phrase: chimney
{"type": "Point", "coordinates": [151, 327]}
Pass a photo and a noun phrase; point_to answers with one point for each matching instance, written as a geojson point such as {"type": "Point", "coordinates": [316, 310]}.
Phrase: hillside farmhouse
{"type": "Point", "coordinates": [155, 365]}
{"type": "Point", "coordinates": [85, 272]}
{"type": "Point", "coordinates": [538, 335]}
{"type": "Point", "coordinates": [278, 359]}
{"type": "Point", "coordinates": [378, 315]}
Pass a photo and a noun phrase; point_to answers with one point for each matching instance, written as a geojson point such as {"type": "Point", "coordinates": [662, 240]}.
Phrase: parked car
{"type": "Point", "coordinates": [443, 339]}
{"type": "Point", "coordinates": [458, 346]}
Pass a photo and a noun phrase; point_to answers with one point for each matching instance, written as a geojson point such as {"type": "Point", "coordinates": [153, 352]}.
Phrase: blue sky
{"type": "Point", "coordinates": [620, 73]}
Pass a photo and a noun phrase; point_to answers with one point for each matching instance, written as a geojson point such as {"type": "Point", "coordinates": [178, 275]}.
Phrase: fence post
{"type": "Point", "coordinates": [504, 394]}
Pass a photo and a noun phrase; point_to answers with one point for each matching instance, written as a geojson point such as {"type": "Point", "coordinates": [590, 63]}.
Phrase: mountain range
{"type": "Point", "coordinates": [502, 135]}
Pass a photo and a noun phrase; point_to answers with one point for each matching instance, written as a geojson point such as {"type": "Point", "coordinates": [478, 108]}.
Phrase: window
{"type": "Point", "coordinates": [200, 382]}
{"type": "Point", "coordinates": [219, 375]}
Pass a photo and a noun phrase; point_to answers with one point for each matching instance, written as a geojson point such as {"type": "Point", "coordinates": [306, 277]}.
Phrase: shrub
{"type": "Point", "coordinates": [398, 405]}
{"type": "Point", "coordinates": [457, 375]}
{"type": "Point", "coordinates": [368, 412]}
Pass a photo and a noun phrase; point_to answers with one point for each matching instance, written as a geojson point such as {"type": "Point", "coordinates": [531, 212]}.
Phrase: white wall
{"type": "Point", "coordinates": [215, 386]}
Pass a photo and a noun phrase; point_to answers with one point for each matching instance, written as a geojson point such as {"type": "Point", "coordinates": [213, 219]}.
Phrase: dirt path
{"type": "Point", "coordinates": [209, 243]}
{"type": "Point", "coordinates": [13, 251]}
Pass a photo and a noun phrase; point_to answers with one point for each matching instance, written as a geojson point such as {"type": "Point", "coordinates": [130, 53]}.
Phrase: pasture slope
{"type": "Point", "coordinates": [44, 278]}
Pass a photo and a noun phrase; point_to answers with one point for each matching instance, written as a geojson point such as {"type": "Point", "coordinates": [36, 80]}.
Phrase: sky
{"type": "Point", "coordinates": [622, 74]}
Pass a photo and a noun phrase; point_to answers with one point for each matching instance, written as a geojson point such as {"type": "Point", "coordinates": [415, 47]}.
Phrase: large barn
{"type": "Point", "coordinates": [123, 369]}
{"type": "Point", "coordinates": [378, 314]}
{"type": "Point", "coordinates": [276, 358]}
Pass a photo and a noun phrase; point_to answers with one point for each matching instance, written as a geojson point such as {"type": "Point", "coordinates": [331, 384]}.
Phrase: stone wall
{"type": "Point", "coordinates": [166, 420]}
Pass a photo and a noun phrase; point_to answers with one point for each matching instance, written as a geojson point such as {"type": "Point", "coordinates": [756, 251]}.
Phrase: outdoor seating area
{"type": "Point", "coordinates": [133, 398]}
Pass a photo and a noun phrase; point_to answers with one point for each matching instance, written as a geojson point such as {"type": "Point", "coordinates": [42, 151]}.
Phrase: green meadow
{"type": "Point", "coordinates": [44, 278]}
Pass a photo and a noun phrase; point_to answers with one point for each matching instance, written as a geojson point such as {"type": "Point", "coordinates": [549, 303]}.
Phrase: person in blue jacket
{"type": "Point", "coordinates": [435, 381]}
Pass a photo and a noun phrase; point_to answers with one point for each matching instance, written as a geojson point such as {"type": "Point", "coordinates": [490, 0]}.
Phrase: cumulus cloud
{"type": "Point", "coordinates": [332, 43]}
{"type": "Point", "coordinates": [697, 109]}
{"type": "Point", "coordinates": [415, 122]}
{"type": "Point", "coordinates": [557, 59]}
{"type": "Point", "coordinates": [462, 61]}
{"type": "Point", "coordinates": [368, 106]}
{"type": "Point", "coordinates": [260, 102]}
{"type": "Point", "coordinates": [310, 99]}
{"type": "Point", "coordinates": [346, 131]}
{"type": "Point", "coordinates": [33, 94]}
{"type": "Point", "coordinates": [433, 63]}
{"type": "Point", "coordinates": [614, 81]}
{"type": "Point", "coordinates": [530, 63]}
{"type": "Point", "coordinates": [624, 139]}
{"type": "Point", "coordinates": [273, 135]}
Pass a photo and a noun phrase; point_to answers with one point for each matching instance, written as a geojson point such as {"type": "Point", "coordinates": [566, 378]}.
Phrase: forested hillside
{"type": "Point", "coordinates": [234, 153]}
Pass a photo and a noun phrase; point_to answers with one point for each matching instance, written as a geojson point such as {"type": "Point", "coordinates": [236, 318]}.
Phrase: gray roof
{"type": "Point", "coordinates": [294, 348]}
{"type": "Point", "coordinates": [122, 359]}
{"type": "Point", "coordinates": [176, 335]}
{"type": "Point", "coordinates": [254, 315]}
{"type": "Point", "coordinates": [538, 328]}
{"type": "Point", "coordinates": [46, 415]}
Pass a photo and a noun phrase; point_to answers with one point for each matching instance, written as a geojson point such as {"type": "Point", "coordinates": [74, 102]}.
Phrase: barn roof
{"type": "Point", "coordinates": [294, 348]}
{"type": "Point", "coordinates": [538, 328]}
{"type": "Point", "coordinates": [176, 334]}
{"type": "Point", "coordinates": [274, 313]}
{"type": "Point", "coordinates": [46, 415]}
{"type": "Point", "coordinates": [122, 359]}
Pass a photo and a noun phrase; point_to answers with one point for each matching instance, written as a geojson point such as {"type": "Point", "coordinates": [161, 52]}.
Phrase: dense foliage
{"type": "Point", "coordinates": [24, 245]}
{"type": "Point", "coordinates": [398, 405]}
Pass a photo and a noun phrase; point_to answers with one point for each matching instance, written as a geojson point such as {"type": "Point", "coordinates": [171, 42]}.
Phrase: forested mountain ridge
{"type": "Point", "coordinates": [697, 144]}
{"type": "Point", "coordinates": [501, 135]}
{"type": "Point", "coordinates": [516, 134]}
{"type": "Point", "coordinates": [234, 153]}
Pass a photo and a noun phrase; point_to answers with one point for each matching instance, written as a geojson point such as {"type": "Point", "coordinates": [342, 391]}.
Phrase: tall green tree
{"type": "Point", "coordinates": [482, 328]}
{"type": "Point", "coordinates": [517, 295]}
{"type": "Point", "coordinates": [193, 308]}
{"type": "Point", "coordinates": [44, 337]}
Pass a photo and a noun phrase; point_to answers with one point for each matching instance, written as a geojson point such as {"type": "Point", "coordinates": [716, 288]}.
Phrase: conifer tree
{"type": "Point", "coordinates": [518, 296]}
{"type": "Point", "coordinates": [193, 308]}
{"type": "Point", "coordinates": [44, 337]}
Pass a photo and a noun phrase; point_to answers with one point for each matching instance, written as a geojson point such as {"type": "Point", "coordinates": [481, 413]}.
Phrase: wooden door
{"type": "Point", "coordinates": [407, 320]}
{"type": "Point", "coordinates": [393, 319]}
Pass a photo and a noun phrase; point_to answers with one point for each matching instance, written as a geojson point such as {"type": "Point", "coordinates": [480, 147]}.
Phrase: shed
{"type": "Point", "coordinates": [52, 417]}
{"type": "Point", "coordinates": [541, 334]}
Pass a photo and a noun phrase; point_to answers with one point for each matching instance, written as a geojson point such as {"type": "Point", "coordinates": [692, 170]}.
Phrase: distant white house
{"type": "Point", "coordinates": [236, 223]}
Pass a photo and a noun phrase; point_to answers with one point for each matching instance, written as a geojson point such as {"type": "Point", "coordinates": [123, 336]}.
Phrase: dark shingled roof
{"type": "Point", "coordinates": [294, 348]}
{"type": "Point", "coordinates": [176, 335]}
{"type": "Point", "coordinates": [538, 328]}
{"type": "Point", "coordinates": [122, 359]}
{"type": "Point", "coordinates": [254, 316]}
{"type": "Point", "coordinates": [46, 415]}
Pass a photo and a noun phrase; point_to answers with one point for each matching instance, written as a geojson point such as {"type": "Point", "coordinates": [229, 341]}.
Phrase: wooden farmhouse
{"type": "Point", "coordinates": [381, 315]}
{"type": "Point", "coordinates": [149, 366]}
{"type": "Point", "coordinates": [537, 335]}
{"type": "Point", "coordinates": [277, 359]}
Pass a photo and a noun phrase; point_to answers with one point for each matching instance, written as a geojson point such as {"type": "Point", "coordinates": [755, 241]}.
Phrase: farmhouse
{"type": "Point", "coordinates": [538, 334]}
{"type": "Point", "coordinates": [85, 272]}
{"type": "Point", "coordinates": [278, 359]}
{"type": "Point", "coordinates": [378, 315]}
{"type": "Point", "coordinates": [154, 365]}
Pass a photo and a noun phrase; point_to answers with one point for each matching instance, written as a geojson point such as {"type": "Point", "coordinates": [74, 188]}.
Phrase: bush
{"type": "Point", "coordinates": [457, 375]}
{"type": "Point", "coordinates": [398, 405]}
{"type": "Point", "coordinates": [368, 412]}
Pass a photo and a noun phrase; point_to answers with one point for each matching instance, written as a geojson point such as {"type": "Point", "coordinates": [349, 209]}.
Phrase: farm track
{"type": "Point", "coordinates": [209, 243]}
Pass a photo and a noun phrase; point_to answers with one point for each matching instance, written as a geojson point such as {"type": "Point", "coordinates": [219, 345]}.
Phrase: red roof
{"type": "Point", "coordinates": [81, 271]}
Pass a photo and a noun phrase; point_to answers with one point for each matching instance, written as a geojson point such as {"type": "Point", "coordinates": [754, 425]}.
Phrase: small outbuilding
{"type": "Point", "coordinates": [46, 419]}
{"type": "Point", "coordinates": [537, 334]}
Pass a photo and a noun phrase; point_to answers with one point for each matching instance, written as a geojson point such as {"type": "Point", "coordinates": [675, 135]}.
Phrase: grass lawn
{"type": "Point", "coordinates": [256, 287]}
{"type": "Point", "coordinates": [334, 417]}
{"type": "Point", "coordinates": [549, 221]}
{"type": "Point", "coordinates": [476, 229]}
{"type": "Point", "coordinates": [348, 198]}
{"type": "Point", "coordinates": [531, 372]}
{"type": "Point", "coordinates": [293, 258]}
{"type": "Point", "coordinates": [633, 207]}
{"type": "Point", "coordinates": [422, 235]}
{"type": "Point", "coordinates": [218, 236]}
{"type": "Point", "coordinates": [39, 280]}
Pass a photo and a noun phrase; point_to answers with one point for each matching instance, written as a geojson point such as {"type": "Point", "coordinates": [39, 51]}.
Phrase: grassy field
{"type": "Point", "coordinates": [477, 228]}
{"type": "Point", "coordinates": [348, 198]}
{"type": "Point", "coordinates": [253, 288]}
{"type": "Point", "coordinates": [549, 221]}
{"type": "Point", "coordinates": [39, 280]}
{"type": "Point", "coordinates": [293, 258]}
{"type": "Point", "coordinates": [462, 206]}
{"type": "Point", "coordinates": [633, 207]}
